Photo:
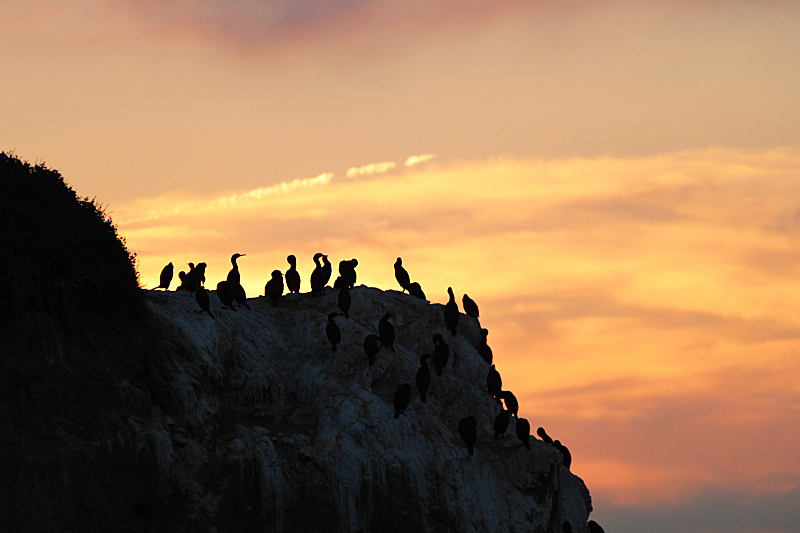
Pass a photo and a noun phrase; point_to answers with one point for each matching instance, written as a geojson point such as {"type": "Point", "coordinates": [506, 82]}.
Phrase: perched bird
{"type": "Point", "coordinates": [166, 277]}
{"type": "Point", "coordinates": [468, 429]}
{"type": "Point", "coordinates": [544, 436]}
{"type": "Point", "coordinates": [201, 297]}
{"type": "Point", "coordinates": [415, 290]}
{"type": "Point", "coordinates": [483, 349]}
{"type": "Point", "coordinates": [274, 287]}
{"type": "Point", "coordinates": [386, 331]}
{"type": "Point", "coordinates": [292, 276]}
{"type": "Point", "coordinates": [594, 527]}
{"type": "Point", "coordinates": [470, 307]}
{"type": "Point", "coordinates": [564, 453]}
{"type": "Point", "coordinates": [494, 384]}
{"type": "Point", "coordinates": [239, 295]}
{"type": "Point", "coordinates": [441, 353]}
{"type": "Point", "coordinates": [199, 276]}
{"type": "Point", "coordinates": [524, 432]}
{"type": "Point", "coordinates": [192, 278]}
{"type": "Point", "coordinates": [343, 300]}
{"type": "Point", "coordinates": [333, 332]}
{"type": "Point", "coordinates": [233, 276]}
{"type": "Point", "coordinates": [347, 273]}
{"type": "Point", "coordinates": [225, 295]}
{"type": "Point", "coordinates": [401, 399]}
{"type": "Point", "coordinates": [451, 312]}
{"type": "Point", "coordinates": [423, 377]}
{"type": "Point", "coordinates": [182, 277]}
{"type": "Point", "coordinates": [511, 401]}
{"type": "Point", "coordinates": [501, 423]}
{"type": "Point", "coordinates": [372, 345]}
{"type": "Point", "coordinates": [401, 275]}
{"type": "Point", "coordinates": [321, 274]}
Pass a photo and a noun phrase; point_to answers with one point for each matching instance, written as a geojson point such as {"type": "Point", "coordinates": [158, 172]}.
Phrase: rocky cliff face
{"type": "Point", "coordinates": [249, 422]}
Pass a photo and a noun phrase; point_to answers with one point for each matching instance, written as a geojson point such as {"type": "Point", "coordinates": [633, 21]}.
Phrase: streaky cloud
{"type": "Point", "coordinates": [417, 159]}
{"type": "Point", "coordinates": [370, 169]}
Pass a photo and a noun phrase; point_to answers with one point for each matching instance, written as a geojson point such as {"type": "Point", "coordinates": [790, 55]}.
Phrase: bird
{"type": "Point", "coordinates": [386, 331]}
{"type": "Point", "coordinates": [511, 401]}
{"type": "Point", "coordinates": [347, 274]}
{"type": "Point", "coordinates": [166, 277]}
{"type": "Point", "coordinates": [564, 453]}
{"type": "Point", "coordinates": [292, 276]}
{"type": "Point", "coordinates": [414, 289]}
{"type": "Point", "coordinates": [451, 312]}
{"type": "Point", "coordinates": [423, 377]}
{"type": "Point", "coordinates": [524, 432]}
{"type": "Point", "coordinates": [470, 307]}
{"type": "Point", "coordinates": [239, 295]}
{"type": "Point", "coordinates": [594, 527]}
{"type": "Point", "coordinates": [441, 353]}
{"type": "Point", "coordinates": [274, 287]}
{"type": "Point", "coordinates": [544, 436]}
{"type": "Point", "coordinates": [225, 295]}
{"type": "Point", "coordinates": [483, 349]}
{"type": "Point", "coordinates": [321, 274]}
{"type": "Point", "coordinates": [182, 277]}
{"type": "Point", "coordinates": [343, 300]}
{"type": "Point", "coordinates": [501, 422]}
{"type": "Point", "coordinates": [333, 332]}
{"type": "Point", "coordinates": [468, 429]}
{"type": "Point", "coordinates": [372, 345]}
{"type": "Point", "coordinates": [201, 297]}
{"type": "Point", "coordinates": [199, 277]}
{"type": "Point", "coordinates": [494, 384]}
{"type": "Point", "coordinates": [192, 279]}
{"type": "Point", "coordinates": [233, 276]}
{"type": "Point", "coordinates": [401, 399]}
{"type": "Point", "coordinates": [401, 275]}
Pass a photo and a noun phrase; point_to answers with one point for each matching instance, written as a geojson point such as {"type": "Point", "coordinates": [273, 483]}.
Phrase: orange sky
{"type": "Point", "coordinates": [615, 183]}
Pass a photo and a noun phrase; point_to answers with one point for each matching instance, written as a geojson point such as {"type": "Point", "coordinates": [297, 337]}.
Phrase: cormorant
{"type": "Point", "coordinates": [501, 423]}
{"type": "Point", "coordinates": [511, 401]}
{"type": "Point", "coordinates": [166, 277]}
{"type": "Point", "coordinates": [225, 295]}
{"type": "Point", "coordinates": [468, 429]}
{"type": "Point", "coordinates": [321, 274]}
{"type": "Point", "coordinates": [423, 377]}
{"type": "Point", "coordinates": [386, 331]}
{"type": "Point", "coordinates": [333, 332]}
{"type": "Point", "coordinates": [199, 278]}
{"type": "Point", "coordinates": [347, 274]}
{"type": "Point", "coordinates": [470, 307]}
{"type": "Point", "coordinates": [441, 353]}
{"type": "Point", "coordinates": [192, 278]}
{"type": "Point", "coordinates": [233, 276]}
{"type": "Point", "coordinates": [182, 277]}
{"type": "Point", "coordinates": [494, 384]}
{"type": "Point", "coordinates": [483, 349]}
{"type": "Point", "coordinates": [544, 436]}
{"type": "Point", "coordinates": [594, 527]}
{"type": "Point", "coordinates": [292, 276]}
{"type": "Point", "coordinates": [524, 432]}
{"type": "Point", "coordinates": [401, 275]}
{"type": "Point", "coordinates": [239, 295]}
{"type": "Point", "coordinates": [343, 300]}
{"type": "Point", "coordinates": [401, 399]}
{"type": "Point", "coordinates": [415, 290]}
{"type": "Point", "coordinates": [274, 287]}
{"type": "Point", "coordinates": [372, 345]}
{"type": "Point", "coordinates": [201, 297]}
{"type": "Point", "coordinates": [564, 452]}
{"type": "Point", "coordinates": [451, 312]}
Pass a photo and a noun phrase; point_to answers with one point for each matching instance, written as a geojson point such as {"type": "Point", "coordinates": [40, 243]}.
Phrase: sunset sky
{"type": "Point", "coordinates": [617, 184]}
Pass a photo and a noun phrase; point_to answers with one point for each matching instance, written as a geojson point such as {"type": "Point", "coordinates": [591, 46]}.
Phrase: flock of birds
{"type": "Point", "coordinates": [230, 290]}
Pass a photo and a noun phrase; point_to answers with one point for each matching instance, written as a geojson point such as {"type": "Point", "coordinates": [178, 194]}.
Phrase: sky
{"type": "Point", "coordinates": [616, 183]}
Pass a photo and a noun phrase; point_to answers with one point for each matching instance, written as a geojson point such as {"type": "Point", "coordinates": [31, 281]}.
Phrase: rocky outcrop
{"type": "Point", "coordinates": [249, 422]}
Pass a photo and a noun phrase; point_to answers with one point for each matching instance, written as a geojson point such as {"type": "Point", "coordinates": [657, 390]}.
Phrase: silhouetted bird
{"type": "Point", "coordinates": [511, 401]}
{"type": "Point", "coordinates": [321, 274]}
{"type": "Point", "coordinates": [524, 432]}
{"type": "Point", "coordinates": [494, 384]}
{"type": "Point", "coordinates": [483, 348]}
{"type": "Point", "coordinates": [544, 436]}
{"type": "Point", "coordinates": [274, 287]}
{"type": "Point", "coordinates": [166, 277]}
{"type": "Point", "coordinates": [566, 527]}
{"type": "Point", "coordinates": [225, 294]}
{"type": "Point", "coordinates": [501, 423]}
{"type": "Point", "coordinates": [594, 527]}
{"type": "Point", "coordinates": [347, 274]}
{"type": "Point", "coordinates": [292, 276]}
{"type": "Point", "coordinates": [468, 429]}
{"type": "Point", "coordinates": [441, 353]}
{"type": "Point", "coordinates": [423, 377]}
{"type": "Point", "coordinates": [233, 276]}
{"type": "Point", "coordinates": [564, 453]}
{"type": "Point", "coordinates": [401, 399]}
{"type": "Point", "coordinates": [182, 278]}
{"type": "Point", "coordinates": [201, 297]}
{"type": "Point", "coordinates": [451, 312]}
{"type": "Point", "coordinates": [415, 290]}
{"type": "Point", "coordinates": [386, 331]}
{"type": "Point", "coordinates": [199, 276]}
{"type": "Point", "coordinates": [470, 307]}
{"type": "Point", "coordinates": [239, 295]}
{"type": "Point", "coordinates": [372, 345]}
{"type": "Point", "coordinates": [343, 300]}
{"type": "Point", "coordinates": [401, 275]}
{"type": "Point", "coordinates": [333, 332]}
{"type": "Point", "coordinates": [192, 279]}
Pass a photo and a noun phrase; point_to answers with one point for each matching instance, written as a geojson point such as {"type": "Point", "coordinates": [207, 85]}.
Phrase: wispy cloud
{"type": "Point", "coordinates": [417, 159]}
{"type": "Point", "coordinates": [370, 169]}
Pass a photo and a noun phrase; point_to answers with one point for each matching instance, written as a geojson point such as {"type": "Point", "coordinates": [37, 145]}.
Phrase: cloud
{"type": "Point", "coordinates": [417, 159]}
{"type": "Point", "coordinates": [370, 169]}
